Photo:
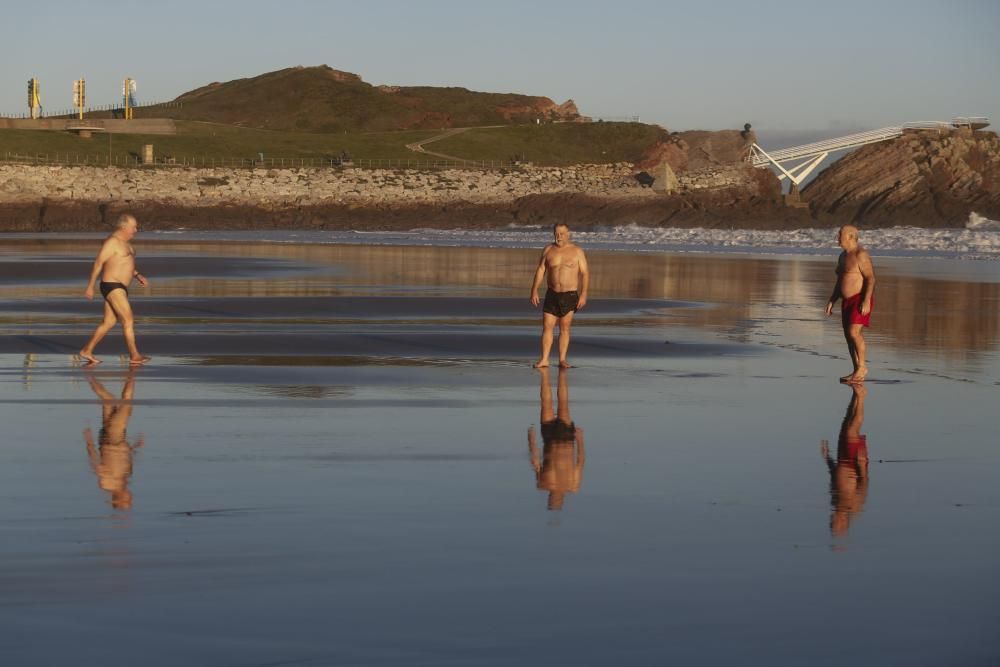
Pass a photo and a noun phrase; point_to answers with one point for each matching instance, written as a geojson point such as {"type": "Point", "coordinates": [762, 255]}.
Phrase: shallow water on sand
{"type": "Point", "coordinates": [338, 457]}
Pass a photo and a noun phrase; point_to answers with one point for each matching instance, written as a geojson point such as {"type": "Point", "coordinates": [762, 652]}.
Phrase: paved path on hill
{"type": "Point", "coordinates": [418, 147]}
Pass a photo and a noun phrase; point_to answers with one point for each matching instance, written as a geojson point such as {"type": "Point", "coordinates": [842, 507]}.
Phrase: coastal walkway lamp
{"type": "Point", "coordinates": [79, 96]}
{"type": "Point", "coordinates": [34, 98]}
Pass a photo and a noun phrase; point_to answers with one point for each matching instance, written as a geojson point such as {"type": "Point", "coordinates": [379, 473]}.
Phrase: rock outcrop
{"type": "Point", "coordinates": [698, 149]}
{"type": "Point", "coordinates": [925, 178]}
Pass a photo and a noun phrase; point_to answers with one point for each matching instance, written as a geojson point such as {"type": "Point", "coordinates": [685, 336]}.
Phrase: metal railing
{"type": "Point", "coordinates": [208, 162]}
{"type": "Point", "coordinates": [72, 112]}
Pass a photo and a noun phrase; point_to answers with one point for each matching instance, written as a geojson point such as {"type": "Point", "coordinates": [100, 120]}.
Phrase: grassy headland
{"type": "Point", "coordinates": [553, 144]}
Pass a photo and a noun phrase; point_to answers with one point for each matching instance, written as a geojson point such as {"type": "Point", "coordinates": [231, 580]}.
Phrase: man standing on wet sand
{"type": "Point", "coordinates": [116, 266]}
{"type": "Point", "coordinates": [568, 281]}
{"type": "Point", "coordinates": [856, 287]}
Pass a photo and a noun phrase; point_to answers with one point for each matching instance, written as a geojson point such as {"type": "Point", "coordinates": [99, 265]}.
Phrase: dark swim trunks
{"type": "Point", "coordinates": [558, 431]}
{"type": "Point", "coordinates": [851, 311]}
{"type": "Point", "coordinates": [560, 304]}
{"type": "Point", "coordinates": [108, 288]}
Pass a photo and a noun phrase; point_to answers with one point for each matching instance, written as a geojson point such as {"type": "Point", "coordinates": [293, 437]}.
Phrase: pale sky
{"type": "Point", "coordinates": [790, 66]}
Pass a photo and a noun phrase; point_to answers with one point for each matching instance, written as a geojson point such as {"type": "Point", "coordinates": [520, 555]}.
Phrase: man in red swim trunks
{"type": "Point", "coordinates": [856, 287]}
{"type": "Point", "coordinates": [568, 281]}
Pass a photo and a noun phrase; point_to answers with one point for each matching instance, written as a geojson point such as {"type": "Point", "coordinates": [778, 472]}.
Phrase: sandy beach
{"type": "Point", "coordinates": [328, 462]}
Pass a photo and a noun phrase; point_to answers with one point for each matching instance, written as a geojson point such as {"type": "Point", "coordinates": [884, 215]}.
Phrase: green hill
{"type": "Point", "coordinates": [316, 113]}
{"type": "Point", "coordinates": [322, 99]}
{"type": "Point", "coordinates": [554, 144]}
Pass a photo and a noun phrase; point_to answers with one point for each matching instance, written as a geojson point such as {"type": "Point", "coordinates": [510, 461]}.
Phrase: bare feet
{"type": "Point", "coordinates": [565, 364]}
{"type": "Point", "coordinates": [540, 364]}
{"type": "Point", "coordinates": [859, 375]}
{"type": "Point", "coordinates": [139, 361]}
{"type": "Point", "coordinates": [847, 378]}
{"type": "Point", "coordinates": [88, 357]}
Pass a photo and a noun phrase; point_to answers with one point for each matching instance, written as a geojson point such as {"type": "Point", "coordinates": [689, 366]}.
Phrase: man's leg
{"type": "Point", "coordinates": [851, 351]}
{"type": "Point", "coordinates": [562, 394]}
{"type": "Point", "coordinates": [87, 353]}
{"type": "Point", "coordinates": [861, 368]}
{"type": "Point", "coordinates": [548, 327]}
{"type": "Point", "coordinates": [565, 324]}
{"type": "Point", "coordinates": [545, 400]}
{"type": "Point", "coordinates": [119, 301]}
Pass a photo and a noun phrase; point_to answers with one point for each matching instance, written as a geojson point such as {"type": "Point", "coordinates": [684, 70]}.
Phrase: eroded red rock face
{"type": "Point", "coordinates": [924, 178]}
{"type": "Point", "coordinates": [698, 149]}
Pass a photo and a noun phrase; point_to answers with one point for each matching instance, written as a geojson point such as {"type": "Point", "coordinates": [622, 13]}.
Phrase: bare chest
{"type": "Point", "coordinates": [562, 259]}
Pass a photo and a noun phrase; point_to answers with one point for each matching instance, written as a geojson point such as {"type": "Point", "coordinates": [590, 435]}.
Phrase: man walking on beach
{"type": "Point", "coordinates": [568, 281]}
{"type": "Point", "coordinates": [116, 266]}
{"type": "Point", "coordinates": [856, 287]}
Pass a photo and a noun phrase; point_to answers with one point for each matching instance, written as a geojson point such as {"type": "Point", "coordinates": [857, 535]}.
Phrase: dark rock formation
{"type": "Point", "coordinates": [924, 178]}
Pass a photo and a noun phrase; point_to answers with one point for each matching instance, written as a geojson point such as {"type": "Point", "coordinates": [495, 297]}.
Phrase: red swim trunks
{"type": "Point", "coordinates": [851, 311]}
{"type": "Point", "coordinates": [852, 449]}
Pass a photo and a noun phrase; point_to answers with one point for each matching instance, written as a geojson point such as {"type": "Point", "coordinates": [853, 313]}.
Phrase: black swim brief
{"type": "Point", "coordinates": [108, 288]}
{"type": "Point", "coordinates": [558, 431]}
{"type": "Point", "coordinates": [560, 304]}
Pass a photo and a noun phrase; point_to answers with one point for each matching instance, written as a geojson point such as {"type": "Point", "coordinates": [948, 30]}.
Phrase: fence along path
{"type": "Point", "coordinates": [208, 162]}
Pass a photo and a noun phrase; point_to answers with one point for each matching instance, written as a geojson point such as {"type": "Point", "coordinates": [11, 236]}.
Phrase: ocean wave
{"type": "Point", "coordinates": [981, 223]}
{"type": "Point", "coordinates": [972, 243]}
{"type": "Point", "coordinates": [979, 240]}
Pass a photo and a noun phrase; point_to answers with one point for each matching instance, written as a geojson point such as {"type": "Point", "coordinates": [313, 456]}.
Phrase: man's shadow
{"type": "Point", "coordinates": [111, 458]}
{"type": "Point", "coordinates": [559, 470]}
{"type": "Point", "coordinates": [849, 472]}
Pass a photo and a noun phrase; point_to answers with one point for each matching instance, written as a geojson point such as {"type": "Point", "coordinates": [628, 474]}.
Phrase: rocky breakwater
{"type": "Point", "coordinates": [925, 178]}
{"type": "Point", "coordinates": [51, 198]}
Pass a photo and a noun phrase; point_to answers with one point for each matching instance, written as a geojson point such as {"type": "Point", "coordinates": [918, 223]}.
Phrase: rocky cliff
{"type": "Point", "coordinates": [698, 149]}
{"type": "Point", "coordinates": [925, 178]}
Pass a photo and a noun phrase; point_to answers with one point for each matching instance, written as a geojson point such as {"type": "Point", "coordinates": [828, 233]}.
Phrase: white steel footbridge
{"type": "Point", "coordinates": [797, 162]}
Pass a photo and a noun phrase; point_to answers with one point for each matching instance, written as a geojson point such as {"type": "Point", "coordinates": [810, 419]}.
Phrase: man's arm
{"type": "Point", "coordinates": [539, 277]}
{"type": "Point", "coordinates": [536, 463]}
{"type": "Point", "coordinates": [868, 273]}
{"type": "Point", "coordinates": [836, 286]}
{"type": "Point", "coordinates": [584, 280]}
{"type": "Point", "coordinates": [138, 276]}
{"type": "Point", "coordinates": [102, 257]}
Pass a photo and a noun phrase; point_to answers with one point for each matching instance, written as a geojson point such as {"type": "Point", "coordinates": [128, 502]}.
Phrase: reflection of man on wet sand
{"type": "Point", "coordinates": [856, 286]}
{"type": "Point", "coordinates": [560, 469]}
{"type": "Point", "coordinates": [849, 473]}
{"type": "Point", "coordinates": [568, 281]}
{"type": "Point", "coordinates": [116, 266]}
{"type": "Point", "coordinates": [111, 459]}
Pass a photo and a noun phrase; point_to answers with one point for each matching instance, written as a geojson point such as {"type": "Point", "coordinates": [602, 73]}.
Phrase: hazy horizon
{"type": "Point", "coordinates": [812, 69]}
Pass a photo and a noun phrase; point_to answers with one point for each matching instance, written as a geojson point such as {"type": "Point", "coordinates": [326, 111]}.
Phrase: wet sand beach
{"type": "Point", "coordinates": [341, 456]}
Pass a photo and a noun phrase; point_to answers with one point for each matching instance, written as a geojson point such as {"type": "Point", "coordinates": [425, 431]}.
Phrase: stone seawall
{"type": "Point", "coordinates": [39, 198]}
{"type": "Point", "coordinates": [304, 187]}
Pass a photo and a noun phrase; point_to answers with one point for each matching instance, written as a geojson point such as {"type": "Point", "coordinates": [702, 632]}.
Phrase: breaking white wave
{"type": "Point", "coordinates": [981, 223]}
{"type": "Point", "coordinates": [980, 239]}
{"type": "Point", "coordinates": [975, 243]}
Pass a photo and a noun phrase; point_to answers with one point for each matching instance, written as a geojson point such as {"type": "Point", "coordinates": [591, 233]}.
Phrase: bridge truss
{"type": "Point", "coordinates": [797, 162]}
